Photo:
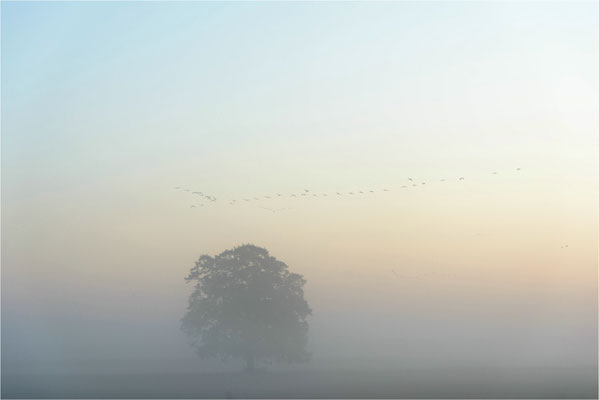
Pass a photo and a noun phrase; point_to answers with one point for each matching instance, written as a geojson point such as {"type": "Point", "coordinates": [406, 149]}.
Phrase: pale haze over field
{"type": "Point", "coordinates": [107, 107]}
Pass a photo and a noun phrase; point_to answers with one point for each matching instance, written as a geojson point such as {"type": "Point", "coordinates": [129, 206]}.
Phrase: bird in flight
{"type": "Point", "coordinates": [306, 190]}
{"type": "Point", "coordinates": [404, 187]}
{"type": "Point", "coordinates": [423, 183]}
{"type": "Point", "coordinates": [410, 179]}
{"type": "Point", "coordinates": [461, 178]}
{"type": "Point", "coordinates": [385, 190]}
{"type": "Point", "coordinates": [372, 191]}
{"type": "Point", "coordinates": [442, 180]}
{"type": "Point", "coordinates": [517, 169]}
{"type": "Point", "coordinates": [177, 187]}
{"type": "Point", "coordinates": [338, 193]}
{"type": "Point", "coordinates": [192, 207]}
{"type": "Point", "coordinates": [276, 209]}
{"type": "Point", "coordinates": [494, 173]}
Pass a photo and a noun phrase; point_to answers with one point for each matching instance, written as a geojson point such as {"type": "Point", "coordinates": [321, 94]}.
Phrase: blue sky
{"type": "Point", "coordinates": [147, 83]}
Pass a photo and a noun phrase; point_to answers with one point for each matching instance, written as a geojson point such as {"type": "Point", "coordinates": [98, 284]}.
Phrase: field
{"type": "Point", "coordinates": [439, 383]}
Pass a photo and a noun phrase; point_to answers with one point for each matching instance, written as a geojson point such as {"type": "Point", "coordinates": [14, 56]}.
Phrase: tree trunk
{"type": "Point", "coordinates": [249, 364]}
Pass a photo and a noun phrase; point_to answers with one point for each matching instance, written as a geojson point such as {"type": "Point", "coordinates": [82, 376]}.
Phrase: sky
{"type": "Point", "coordinates": [107, 107]}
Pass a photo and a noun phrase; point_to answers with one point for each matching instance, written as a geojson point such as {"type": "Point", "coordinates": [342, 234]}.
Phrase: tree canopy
{"type": "Point", "coordinates": [247, 305]}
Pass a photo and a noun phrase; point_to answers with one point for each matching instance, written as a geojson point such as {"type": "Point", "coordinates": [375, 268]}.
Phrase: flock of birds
{"type": "Point", "coordinates": [422, 275]}
{"type": "Point", "coordinates": [307, 193]}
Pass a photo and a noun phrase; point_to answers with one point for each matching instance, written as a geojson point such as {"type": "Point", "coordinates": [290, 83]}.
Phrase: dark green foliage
{"type": "Point", "coordinates": [247, 305]}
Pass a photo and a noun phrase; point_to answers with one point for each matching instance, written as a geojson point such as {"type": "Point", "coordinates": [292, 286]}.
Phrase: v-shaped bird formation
{"type": "Point", "coordinates": [207, 199]}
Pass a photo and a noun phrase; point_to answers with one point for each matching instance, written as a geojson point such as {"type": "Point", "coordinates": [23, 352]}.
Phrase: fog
{"type": "Point", "coordinates": [430, 169]}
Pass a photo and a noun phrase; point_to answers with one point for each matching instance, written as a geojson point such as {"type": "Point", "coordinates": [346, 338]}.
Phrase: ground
{"type": "Point", "coordinates": [438, 383]}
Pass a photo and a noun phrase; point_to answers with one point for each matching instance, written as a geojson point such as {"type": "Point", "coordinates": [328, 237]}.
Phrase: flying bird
{"type": "Point", "coordinates": [442, 180]}
{"type": "Point", "coordinates": [410, 179]}
{"type": "Point", "coordinates": [276, 209]}
{"type": "Point", "coordinates": [338, 193]}
{"type": "Point", "coordinates": [494, 173]}
{"type": "Point", "coordinates": [461, 178]}
{"type": "Point", "coordinates": [423, 183]}
{"type": "Point", "coordinates": [306, 190]}
{"type": "Point", "coordinates": [192, 207]}
{"type": "Point", "coordinates": [385, 190]}
{"type": "Point", "coordinates": [517, 169]}
{"type": "Point", "coordinates": [404, 187]}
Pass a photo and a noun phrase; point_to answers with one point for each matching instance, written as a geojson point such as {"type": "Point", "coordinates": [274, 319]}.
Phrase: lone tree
{"type": "Point", "coordinates": [247, 305]}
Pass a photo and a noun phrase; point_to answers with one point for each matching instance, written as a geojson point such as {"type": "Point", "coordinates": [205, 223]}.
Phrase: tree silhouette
{"type": "Point", "coordinates": [247, 305]}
